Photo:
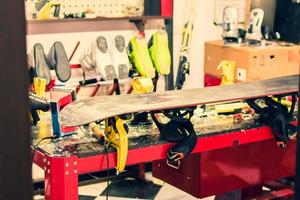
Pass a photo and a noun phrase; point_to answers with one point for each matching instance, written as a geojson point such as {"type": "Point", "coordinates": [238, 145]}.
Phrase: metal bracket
{"type": "Point", "coordinates": [139, 23]}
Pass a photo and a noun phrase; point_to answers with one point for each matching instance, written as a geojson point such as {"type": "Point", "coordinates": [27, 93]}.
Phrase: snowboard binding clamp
{"type": "Point", "coordinates": [180, 130]}
{"type": "Point", "coordinates": [278, 117]}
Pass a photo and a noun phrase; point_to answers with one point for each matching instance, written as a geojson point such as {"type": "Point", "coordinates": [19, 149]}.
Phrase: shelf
{"type": "Point", "coordinates": [84, 24]}
{"type": "Point", "coordinates": [68, 20]}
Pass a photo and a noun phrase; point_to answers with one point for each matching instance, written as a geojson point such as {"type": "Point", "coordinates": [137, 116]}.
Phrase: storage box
{"type": "Point", "coordinates": [253, 63]}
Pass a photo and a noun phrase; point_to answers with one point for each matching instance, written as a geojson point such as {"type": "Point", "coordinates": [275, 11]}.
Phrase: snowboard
{"type": "Point", "coordinates": [101, 107]}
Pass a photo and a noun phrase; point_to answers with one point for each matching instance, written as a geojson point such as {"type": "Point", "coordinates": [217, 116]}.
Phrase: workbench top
{"type": "Point", "coordinates": [83, 143]}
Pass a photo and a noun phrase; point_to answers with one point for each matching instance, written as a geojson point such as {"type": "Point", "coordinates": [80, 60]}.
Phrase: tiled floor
{"type": "Point", "coordinates": [167, 192]}
{"type": "Point", "coordinates": [126, 190]}
{"type": "Point", "coordinates": [93, 192]}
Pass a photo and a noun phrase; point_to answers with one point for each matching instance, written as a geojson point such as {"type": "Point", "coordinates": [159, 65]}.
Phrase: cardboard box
{"type": "Point", "coordinates": [253, 63]}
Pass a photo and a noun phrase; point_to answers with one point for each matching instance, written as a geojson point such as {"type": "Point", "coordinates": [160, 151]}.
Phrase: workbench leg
{"type": "Point", "coordinates": [140, 174]}
{"type": "Point", "coordinates": [61, 179]}
{"type": "Point", "coordinates": [253, 191]}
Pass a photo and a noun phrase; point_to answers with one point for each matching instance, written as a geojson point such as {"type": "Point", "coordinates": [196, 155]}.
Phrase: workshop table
{"type": "Point", "coordinates": [233, 146]}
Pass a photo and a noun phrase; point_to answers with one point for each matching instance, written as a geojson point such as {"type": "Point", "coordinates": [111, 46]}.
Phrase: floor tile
{"type": "Point", "coordinates": [37, 173]}
{"type": "Point", "coordinates": [92, 190]}
{"type": "Point", "coordinates": [132, 189]}
{"type": "Point", "coordinates": [169, 192]}
{"type": "Point", "coordinates": [83, 197]}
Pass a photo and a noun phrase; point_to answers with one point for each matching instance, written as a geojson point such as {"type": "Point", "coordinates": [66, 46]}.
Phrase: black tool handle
{"type": "Point", "coordinates": [88, 82]}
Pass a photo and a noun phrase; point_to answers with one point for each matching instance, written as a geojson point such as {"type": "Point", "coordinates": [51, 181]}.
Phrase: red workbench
{"type": "Point", "coordinates": [221, 162]}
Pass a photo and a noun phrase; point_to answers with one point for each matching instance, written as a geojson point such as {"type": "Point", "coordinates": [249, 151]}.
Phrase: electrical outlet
{"type": "Point", "coordinates": [241, 74]}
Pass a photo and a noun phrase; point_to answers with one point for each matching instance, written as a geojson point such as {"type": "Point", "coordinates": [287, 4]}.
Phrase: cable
{"type": "Point", "coordinates": [55, 137]}
{"type": "Point", "coordinates": [107, 170]}
{"type": "Point", "coordinates": [37, 145]}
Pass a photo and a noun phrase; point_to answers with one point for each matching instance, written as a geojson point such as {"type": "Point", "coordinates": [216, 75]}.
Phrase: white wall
{"type": "Point", "coordinates": [204, 30]}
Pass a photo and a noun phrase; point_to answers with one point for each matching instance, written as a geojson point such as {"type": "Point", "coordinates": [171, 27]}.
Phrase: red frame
{"type": "Point", "coordinates": [166, 8]}
{"type": "Point", "coordinates": [61, 173]}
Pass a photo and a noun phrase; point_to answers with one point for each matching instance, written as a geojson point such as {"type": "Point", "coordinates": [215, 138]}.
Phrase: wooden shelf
{"type": "Point", "coordinates": [84, 24]}
{"type": "Point", "coordinates": [66, 20]}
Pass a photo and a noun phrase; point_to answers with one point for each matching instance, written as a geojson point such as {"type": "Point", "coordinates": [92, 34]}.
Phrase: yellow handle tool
{"type": "Point", "coordinates": [114, 134]}
{"type": "Point", "coordinates": [96, 130]}
{"type": "Point", "coordinates": [49, 10]}
{"type": "Point", "coordinates": [39, 85]}
{"type": "Point", "coordinates": [123, 145]}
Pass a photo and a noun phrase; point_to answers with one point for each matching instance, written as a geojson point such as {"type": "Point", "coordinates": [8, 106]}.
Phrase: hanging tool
{"type": "Point", "coordinates": [47, 9]}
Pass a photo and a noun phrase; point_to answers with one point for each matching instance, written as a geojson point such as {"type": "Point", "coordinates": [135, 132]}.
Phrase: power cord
{"type": "Point", "coordinates": [55, 137]}
{"type": "Point", "coordinates": [37, 145]}
{"type": "Point", "coordinates": [107, 170]}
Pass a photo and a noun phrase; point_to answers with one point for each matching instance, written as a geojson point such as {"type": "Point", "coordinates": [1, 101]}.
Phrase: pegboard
{"type": "Point", "coordinates": [102, 8]}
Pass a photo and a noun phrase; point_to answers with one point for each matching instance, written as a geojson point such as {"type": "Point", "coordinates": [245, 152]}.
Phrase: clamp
{"type": "Point", "coordinates": [115, 134]}
{"type": "Point", "coordinates": [180, 130]}
{"type": "Point", "coordinates": [278, 117]}
{"type": "Point", "coordinates": [139, 24]}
